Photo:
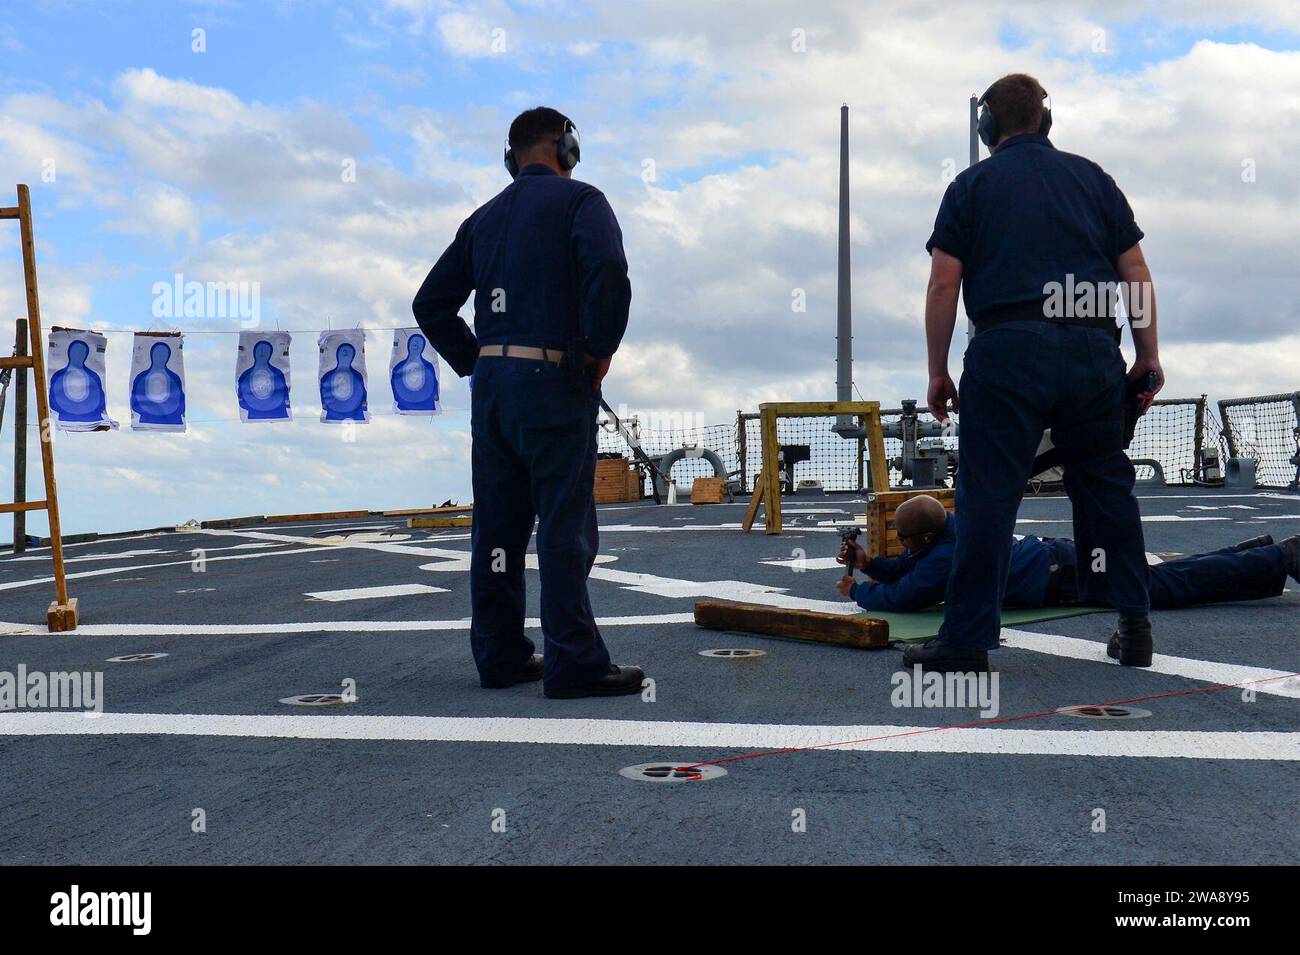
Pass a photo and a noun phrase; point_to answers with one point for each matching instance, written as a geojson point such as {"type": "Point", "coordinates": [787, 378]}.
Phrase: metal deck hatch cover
{"type": "Point", "coordinates": [670, 772]}
{"type": "Point", "coordinates": [734, 653]}
{"type": "Point", "coordinates": [135, 657]}
{"type": "Point", "coordinates": [316, 699]}
{"type": "Point", "coordinates": [1105, 712]}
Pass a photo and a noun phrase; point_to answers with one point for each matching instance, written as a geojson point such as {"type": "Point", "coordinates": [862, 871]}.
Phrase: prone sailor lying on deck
{"type": "Point", "coordinates": [1042, 570]}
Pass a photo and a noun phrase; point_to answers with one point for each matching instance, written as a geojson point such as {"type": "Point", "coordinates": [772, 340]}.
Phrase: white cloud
{"type": "Point", "coordinates": [466, 35]}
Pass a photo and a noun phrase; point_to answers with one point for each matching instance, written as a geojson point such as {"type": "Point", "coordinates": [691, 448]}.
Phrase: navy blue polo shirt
{"type": "Point", "coordinates": [919, 579]}
{"type": "Point", "coordinates": [1027, 216]}
{"type": "Point", "coordinates": [545, 261]}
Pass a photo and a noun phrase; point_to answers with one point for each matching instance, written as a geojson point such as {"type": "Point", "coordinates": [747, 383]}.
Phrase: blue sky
{"type": "Point", "coordinates": [224, 166]}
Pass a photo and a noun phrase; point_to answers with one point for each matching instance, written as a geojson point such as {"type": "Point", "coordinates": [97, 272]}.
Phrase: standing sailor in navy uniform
{"type": "Point", "coordinates": [342, 389]}
{"type": "Point", "coordinates": [263, 390]}
{"type": "Point", "coordinates": [156, 394]}
{"type": "Point", "coordinates": [414, 379]}
{"type": "Point", "coordinates": [545, 261]}
{"type": "Point", "coordinates": [1011, 232]}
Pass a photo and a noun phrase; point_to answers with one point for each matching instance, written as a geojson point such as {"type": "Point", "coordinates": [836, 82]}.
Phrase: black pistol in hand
{"type": "Point", "coordinates": [848, 536]}
{"type": "Point", "coordinates": [1133, 404]}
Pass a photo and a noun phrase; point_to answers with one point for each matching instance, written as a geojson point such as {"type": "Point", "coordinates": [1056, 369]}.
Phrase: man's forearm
{"type": "Point", "coordinates": [940, 318]}
{"type": "Point", "coordinates": [1140, 302]}
{"type": "Point", "coordinates": [1142, 312]}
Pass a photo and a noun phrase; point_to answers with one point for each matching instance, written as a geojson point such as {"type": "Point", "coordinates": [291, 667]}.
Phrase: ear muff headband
{"type": "Point", "coordinates": [568, 151]}
{"type": "Point", "coordinates": [987, 126]}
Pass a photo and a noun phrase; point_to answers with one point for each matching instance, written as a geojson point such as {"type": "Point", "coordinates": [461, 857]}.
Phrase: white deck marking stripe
{"type": "Point", "coordinates": [386, 548]}
{"type": "Point", "coordinates": [144, 535]}
{"type": "Point", "coordinates": [799, 564]}
{"type": "Point", "coordinates": [313, 626]}
{"type": "Point", "coordinates": [117, 556]}
{"type": "Point", "coordinates": [16, 584]}
{"type": "Point", "coordinates": [369, 593]}
{"type": "Point", "coordinates": [719, 590]}
{"type": "Point", "coordinates": [1229, 674]}
{"type": "Point", "coordinates": [669, 736]}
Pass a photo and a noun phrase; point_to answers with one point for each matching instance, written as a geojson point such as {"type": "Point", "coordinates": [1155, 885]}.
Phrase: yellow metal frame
{"type": "Point", "coordinates": [868, 415]}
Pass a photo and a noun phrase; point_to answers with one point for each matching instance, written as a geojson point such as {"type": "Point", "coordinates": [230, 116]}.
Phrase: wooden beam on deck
{"type": "Point", "coordinates": [812, 625]}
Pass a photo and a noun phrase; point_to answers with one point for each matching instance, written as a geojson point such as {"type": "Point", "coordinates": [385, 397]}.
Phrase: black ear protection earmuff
{"type": "Point", "coordinates": [988, 123]}
{"type": "Point", "coordinates": [568, 150]}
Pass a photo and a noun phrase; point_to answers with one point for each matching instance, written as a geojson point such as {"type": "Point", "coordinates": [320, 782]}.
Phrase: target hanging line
{"type": "Point", "coordinates": [262, 376]}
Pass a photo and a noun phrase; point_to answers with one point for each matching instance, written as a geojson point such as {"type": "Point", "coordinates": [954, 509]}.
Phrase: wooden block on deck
{"type": "Point", "coordinates": [62, 617]}
{"type": "Point", "coordinates": [616, 481]}
{"type": "Point", "coordinates": [812, 625]}
{"type": "Point", "coordinates": [441, 520]}
{"type": "Point", "coordinates": [708, 490]}
{"type": "Point", "coordinates": [881, 533]}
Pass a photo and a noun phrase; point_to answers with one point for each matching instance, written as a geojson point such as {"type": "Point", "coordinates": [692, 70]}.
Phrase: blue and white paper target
{"type": "Point", "coordinates": [157, 382]}
{"type": "Point", "coordinates": [343, 377]}
{"type": "Point", "coordinates": [262, 376]}
{"type": "Point", "coordinates": [78, 398]}
{"type": "Point", "coordinates": [413, 373]}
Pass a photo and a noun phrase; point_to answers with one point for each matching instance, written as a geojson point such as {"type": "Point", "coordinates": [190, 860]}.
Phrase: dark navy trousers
{"type": "Point", "coordinates": [1020, 378]}
{"type": "Point", "coordinates": [1221, 576]}
{"type": "Point", "coordinates": [533, 457]}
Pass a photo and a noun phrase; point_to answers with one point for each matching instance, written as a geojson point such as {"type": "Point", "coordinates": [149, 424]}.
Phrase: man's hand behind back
{"type": "Point", "coordinates": [598, 368]}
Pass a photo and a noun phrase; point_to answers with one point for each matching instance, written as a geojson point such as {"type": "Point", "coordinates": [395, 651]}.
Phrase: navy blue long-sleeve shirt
{"type": "Point", "coordinates": [545, 261]}
{"type": "Point", "coordinates": [1027, 216]}
{"type": "Point", "coordinates": [919, 580]}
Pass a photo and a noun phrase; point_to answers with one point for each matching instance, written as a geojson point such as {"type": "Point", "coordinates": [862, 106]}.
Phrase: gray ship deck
{"type": "Point", "coordinates": [415, 769]}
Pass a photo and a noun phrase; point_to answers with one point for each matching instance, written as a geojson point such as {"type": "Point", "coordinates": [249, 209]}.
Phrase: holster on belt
{"type": "Point", "coordinates": [575, 364]}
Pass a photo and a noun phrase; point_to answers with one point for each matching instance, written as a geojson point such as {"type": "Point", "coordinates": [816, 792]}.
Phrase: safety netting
{"type": "Point", "coordinates": [1267, 429]}
{"type": "Point", "coordinates": [1176, 432]}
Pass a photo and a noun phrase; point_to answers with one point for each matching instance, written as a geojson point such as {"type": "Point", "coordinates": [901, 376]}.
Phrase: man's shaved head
{"type": "Point", "coordinates": [922, 514]}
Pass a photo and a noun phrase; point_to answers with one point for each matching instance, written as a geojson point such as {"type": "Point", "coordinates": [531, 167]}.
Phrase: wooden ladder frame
{"type": "Point", "coordinates": [62, 613]}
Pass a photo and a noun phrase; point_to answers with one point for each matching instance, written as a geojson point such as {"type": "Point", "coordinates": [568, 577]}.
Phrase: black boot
{"type": "Point", "coordinates": [1262, 541]}
{"type": "Point", "coordinates": [1291, 556]}
{"type": "Point", "coordinates": [936, 657]}
{"type": "Point", "coordinates": [1131, 644]}
{"type": "Point", "coordinates": [530, 672]}
{"type": "Point", "coordinates": [619, 681]}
